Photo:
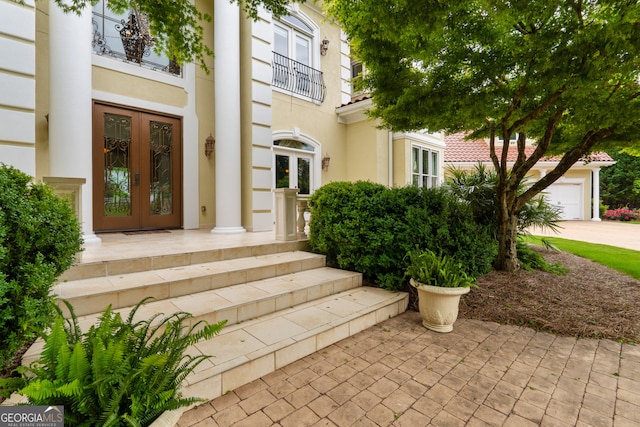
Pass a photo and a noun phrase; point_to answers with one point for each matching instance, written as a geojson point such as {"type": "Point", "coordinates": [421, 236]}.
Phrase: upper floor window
{"type": "Point", "coordinates": [356, 73]}
{"type": "Point", "coordinates": [295, 54]}
{"type": "Point", "coordinates": [424, 167]}
{"type": "Point", "coordinates": [292, 38]}
{"type": "Point", "coordinates": [512, 139]}
{"type": "Point", "coordinates": [127, 37]}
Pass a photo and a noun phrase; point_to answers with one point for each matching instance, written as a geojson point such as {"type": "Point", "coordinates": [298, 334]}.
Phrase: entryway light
{"type": "Point", "coordinates": [324, 45]}
{"type": "Point", "coordinates": [209, 143]}
{"type": "Point", "coordinates": [325, 162]}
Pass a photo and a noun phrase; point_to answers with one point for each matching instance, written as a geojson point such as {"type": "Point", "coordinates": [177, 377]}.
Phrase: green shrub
{"type": "Point", "coordinates": [368, 228]}
{"type": "Point", "coordinates": [119, 372]}
{"type": "Point", "coordinates": [39, 237]}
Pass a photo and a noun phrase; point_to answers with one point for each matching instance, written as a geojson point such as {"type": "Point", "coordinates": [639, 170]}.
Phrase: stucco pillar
{"type": "Point", "coordinates": [70, 104]}
{"type": "Point", "coordinates": [596, 194]}
{"type": "Point", "coordinates": [227, 117]}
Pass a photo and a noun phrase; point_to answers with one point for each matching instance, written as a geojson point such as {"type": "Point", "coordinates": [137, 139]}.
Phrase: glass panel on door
{"type": "Point", "coordinates": [282, 171]}
{"type": "Point", "coordinates": [161, 188]}
{"type": "Point", "coordinates": [117, 165]}
{"type": "Point", "coordinates": [304, 175]}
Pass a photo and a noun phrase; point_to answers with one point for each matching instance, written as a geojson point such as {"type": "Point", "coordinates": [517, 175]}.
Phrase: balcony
{"type": "Point", "coordinates": [298, 78]}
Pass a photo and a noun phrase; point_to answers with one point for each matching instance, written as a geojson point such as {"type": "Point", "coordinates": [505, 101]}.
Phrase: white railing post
{"type": "Point", "coordinates": [303, 207]}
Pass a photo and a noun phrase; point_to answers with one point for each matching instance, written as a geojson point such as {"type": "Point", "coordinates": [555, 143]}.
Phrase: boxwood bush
{"type": "Point", "coordinates": [369, 228]}
{"type": "Point", "coordinates": [39, 237]}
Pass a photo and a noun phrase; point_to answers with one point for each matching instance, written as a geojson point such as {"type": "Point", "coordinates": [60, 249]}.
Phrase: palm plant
{"type": "Point", "coordinates": [478, 189]}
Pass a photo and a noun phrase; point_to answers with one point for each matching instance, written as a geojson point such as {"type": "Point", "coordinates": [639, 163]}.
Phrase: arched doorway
{"type": "Point", "coordinates": [296, 162]}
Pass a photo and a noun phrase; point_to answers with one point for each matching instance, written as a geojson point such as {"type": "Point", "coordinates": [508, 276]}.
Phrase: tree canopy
{"type": "Point", "coordinates": [562, 73]}
{"type": "Point", "coordinates": [620, 183]}
{"type": "Point", "coordinates": [176, 25]}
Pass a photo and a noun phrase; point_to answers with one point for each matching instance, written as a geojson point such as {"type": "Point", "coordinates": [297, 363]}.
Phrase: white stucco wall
{"type": "Point", "coordinates": [17, 85]}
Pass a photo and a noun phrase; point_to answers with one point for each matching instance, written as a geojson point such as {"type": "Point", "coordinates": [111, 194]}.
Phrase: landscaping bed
{"type": "Point", "coordinates": [590, 301]}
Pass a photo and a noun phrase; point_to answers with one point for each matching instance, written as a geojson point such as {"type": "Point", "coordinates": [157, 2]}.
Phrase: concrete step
{"type": "Point", "coordinates": [247, 301]}
{"type": "Point", "coordinates": [131, 262]}
{"type": "Point", "coordinates": [93, 295]}
{"type": "Point", "coordinates": [249, 350]}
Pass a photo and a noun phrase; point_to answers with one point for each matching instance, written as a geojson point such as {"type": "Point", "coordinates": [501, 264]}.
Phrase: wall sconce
{"type": "Point", "coordinates": [325, 162]}
{"type": "Point", "coordinates": [209, 143]}
{"type": "Point", "coordinates": [324, 45]}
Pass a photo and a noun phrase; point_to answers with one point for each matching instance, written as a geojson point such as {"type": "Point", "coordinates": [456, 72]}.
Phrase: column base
{"type": "Point", "coordinates": [596, 219]}
{"type": "Point", "coordinates": [228, 230]}
{"type": "Point", "coordinates": [91, 239]}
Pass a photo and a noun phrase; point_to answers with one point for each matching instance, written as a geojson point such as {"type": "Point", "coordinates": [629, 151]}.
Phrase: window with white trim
{"type": "Point", "coordinates": [357, 72]}
{"type": "Point", "coordinates": [296, 53]}
{"type": "Point", "coordinates": [126, 37]}
{"type": "Point", "coordinates": [424, 167]}
{"type": "Point", "coordinates": [292, 38]}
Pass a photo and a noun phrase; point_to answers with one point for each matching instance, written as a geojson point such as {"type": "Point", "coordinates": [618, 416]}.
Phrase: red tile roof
{"type": "Point", "coordinates": [357, 99]}
{"type": "Point", "coordinates": [461, 150]}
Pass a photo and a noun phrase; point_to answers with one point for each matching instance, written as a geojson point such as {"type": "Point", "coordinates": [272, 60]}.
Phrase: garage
{"type": "Point", "coordinates": [567, 197]}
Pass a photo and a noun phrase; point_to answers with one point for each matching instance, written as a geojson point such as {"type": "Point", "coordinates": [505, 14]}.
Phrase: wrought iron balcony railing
{"type": "Point", "coordinates": [298, 78]}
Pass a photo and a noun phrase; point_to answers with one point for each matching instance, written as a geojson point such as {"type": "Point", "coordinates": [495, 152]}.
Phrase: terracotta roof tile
{"type": "Point", "coordinates": [461, 150]}
{"type": "Point", "coordinates": [356, 99]}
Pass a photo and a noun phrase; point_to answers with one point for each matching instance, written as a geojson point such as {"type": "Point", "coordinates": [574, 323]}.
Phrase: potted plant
{"type": "Point", "coordinates": [440, 282]}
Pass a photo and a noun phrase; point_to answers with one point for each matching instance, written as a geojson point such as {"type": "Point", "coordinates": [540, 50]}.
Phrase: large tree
{"type": "Point", "coordinates": [561, 72]}
{"type": "Point", "coordinates": [176, 25]}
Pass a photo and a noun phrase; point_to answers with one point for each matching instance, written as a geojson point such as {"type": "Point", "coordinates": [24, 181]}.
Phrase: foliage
{"type": "Point", "coordinates": [119, 372]}
{"type": "Point", "coordinates": [177, 25]}
{"type": "Point", "coordinates": [532, 260]}
{"type": "Point", "coordinates": [622, 214]}
{"type": "Point", "coordinates": [369, 228]}
{"type": "Point", "coordinates": [562, 74]}
{"type": "Point", "coordinates": [620, 183]}
{"type": "Point", "coordinates": [39, 237]}
{"type": "Point", "coordinates": [478, 189]}
{"type": "Point", "coordinates": [428, 268]}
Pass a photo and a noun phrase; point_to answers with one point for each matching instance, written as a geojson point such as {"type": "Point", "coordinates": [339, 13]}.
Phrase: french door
{"type": "Point", "coordinates": [293, 170]}
{"type": "Point", "coordinates": [137, 159]}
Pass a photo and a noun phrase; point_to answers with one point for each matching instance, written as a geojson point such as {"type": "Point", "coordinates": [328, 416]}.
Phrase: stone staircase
{"type": "Point", "coordinates": [281, 303]}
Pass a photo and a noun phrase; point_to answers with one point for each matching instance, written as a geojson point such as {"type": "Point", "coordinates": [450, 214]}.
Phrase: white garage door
{"type": "Point", "coordinates": [568, 197]}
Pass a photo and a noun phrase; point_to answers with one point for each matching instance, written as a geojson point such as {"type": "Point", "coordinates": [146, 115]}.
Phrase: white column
{"type": "Point", "coordinates": [227, 117]}
{"type": "Point", "coordinates": [596, 195]}
{"type": "Point", "coordinates": [70, 104]}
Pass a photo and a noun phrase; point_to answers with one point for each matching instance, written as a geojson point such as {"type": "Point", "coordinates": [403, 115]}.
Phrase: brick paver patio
{"type": "Point", "coordinates": [481, 374]}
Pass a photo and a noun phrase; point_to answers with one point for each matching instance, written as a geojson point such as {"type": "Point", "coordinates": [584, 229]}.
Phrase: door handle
{"type": "Point", "coordinates": [137, 178]}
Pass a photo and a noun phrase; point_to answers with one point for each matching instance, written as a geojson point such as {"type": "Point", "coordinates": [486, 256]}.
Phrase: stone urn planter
{"type": "Point", "coordinates": [440, 282]}
{"type": "Point", "coordinates": [438, 305]}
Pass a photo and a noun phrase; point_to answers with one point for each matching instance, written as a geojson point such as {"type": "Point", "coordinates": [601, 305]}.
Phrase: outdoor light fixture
{"type": "Point", "coordinates": [324, 45]}
{"type": "Point", "coordinates": [209, 143]}
{"type": "Point", "coordinates": [325, 162]}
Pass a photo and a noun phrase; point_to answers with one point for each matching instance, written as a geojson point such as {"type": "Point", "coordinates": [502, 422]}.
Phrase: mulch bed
{"type": "Point", "coordinates": [590, 301]}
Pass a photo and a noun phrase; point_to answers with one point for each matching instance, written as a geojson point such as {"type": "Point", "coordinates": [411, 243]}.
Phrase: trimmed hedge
{"type": "Point", "coordinates": [369, 228]}
{"type": "Point", "coordinates": [39, 237]}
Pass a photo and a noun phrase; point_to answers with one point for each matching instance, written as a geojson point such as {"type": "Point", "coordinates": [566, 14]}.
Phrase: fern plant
{"type": "Point", "coordinates": [118, 373]}
{"type": "Point", "coordinates": [426, 267]}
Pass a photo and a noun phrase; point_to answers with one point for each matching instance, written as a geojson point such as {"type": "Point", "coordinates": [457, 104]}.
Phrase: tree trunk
{"type": "Point", "coordinates": [507, 259]}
